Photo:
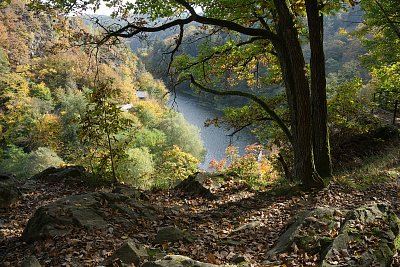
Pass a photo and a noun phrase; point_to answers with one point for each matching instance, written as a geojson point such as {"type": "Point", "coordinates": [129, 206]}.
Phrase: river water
{"type": "Point", "coordinates": [215, 139]}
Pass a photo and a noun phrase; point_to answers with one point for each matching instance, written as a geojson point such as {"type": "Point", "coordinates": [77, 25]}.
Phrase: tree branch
{"type": "Point", "coordinates": [130, 30]}
{"type": "Point", "coordinates": [389, 20]}
{"type": "Point", "coordinates": [236, 27]}
{"type": "Point", "coordinates": [251, 40]}
{"type": "Point", "coordinates": [178, 43]}
{"type": "Point", "coordinates": [134, 29]}
{"type": "Point", "coordinates": [248, 124]}
{"type": "Point", "coordinates": [252, 97]}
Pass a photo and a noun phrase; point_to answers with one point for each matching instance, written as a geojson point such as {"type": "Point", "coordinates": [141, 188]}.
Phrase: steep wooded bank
{"type": "Point", "coordinates": [65, 103]}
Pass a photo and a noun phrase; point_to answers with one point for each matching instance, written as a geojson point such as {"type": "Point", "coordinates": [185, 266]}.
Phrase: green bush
{"type": "Point", "coordinates": [136, 169]}
{"type": "Point", "coordinates": [176, 165]}
{"type": "Point", "coordinates": [24, 165]}
{"type": "Point", "coordinates": [349, 106]}
{"type": "Point", "coordinates": [182, 134]}
{"type": "Point", "coordinates": [151, 138]}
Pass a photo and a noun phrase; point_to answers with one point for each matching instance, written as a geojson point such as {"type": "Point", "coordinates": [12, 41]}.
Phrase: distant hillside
{"type": "Point", "coordinates": [64, 101]}
{"type": "Point", "coordinates": [340, 49]}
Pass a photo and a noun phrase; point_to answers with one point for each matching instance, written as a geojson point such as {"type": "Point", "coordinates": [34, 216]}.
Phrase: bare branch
{"type": "Point", "coordinates": [178, 43]}
{"type": "Point", "coordinates": [248, 124]}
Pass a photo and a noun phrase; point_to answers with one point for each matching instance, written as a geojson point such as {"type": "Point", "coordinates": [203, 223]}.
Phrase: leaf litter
{"type": "Point", "coordinates": [240, 223]}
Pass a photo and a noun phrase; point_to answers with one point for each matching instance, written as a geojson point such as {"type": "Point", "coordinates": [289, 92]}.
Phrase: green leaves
{"type": "Point", "coordinates": [100, 125]}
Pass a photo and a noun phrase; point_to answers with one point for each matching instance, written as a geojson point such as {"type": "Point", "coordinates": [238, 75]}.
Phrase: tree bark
{"type": "Point", "coordinates": [321, 147]}
{"type": "Point", "coordinates": [298, 92]}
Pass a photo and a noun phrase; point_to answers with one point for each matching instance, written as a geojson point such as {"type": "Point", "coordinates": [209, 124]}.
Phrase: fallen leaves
{"type": "Point", "coordinates": [239, 222]}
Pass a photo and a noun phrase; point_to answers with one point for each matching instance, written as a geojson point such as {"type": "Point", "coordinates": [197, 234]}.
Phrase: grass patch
{"type": "Point", "coordinates": [381, 168]}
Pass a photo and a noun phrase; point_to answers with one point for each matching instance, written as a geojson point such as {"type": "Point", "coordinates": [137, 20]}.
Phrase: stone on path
{"type": "Point", "coordinates": [200, 184]}
{"type": "Point", "coordinates": [179, 261]}
{"type": "Point", "coordinates": [367, 236]}
{"type": "Point", "coordinates": [31, 261]}
{"type": "Point", "coordinates": [129, 253]}
{"type": "Point", "coordinates": [172, 234]}
{"type": "Point", "coordinates": [9, 193]}
{"type": "Point", "coordinates": [68, 174]}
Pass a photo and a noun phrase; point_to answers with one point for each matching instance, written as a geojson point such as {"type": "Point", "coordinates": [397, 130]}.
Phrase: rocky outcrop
{"type": "Point", "coordinates": [68, 174]}
{"type": "Point", "coordinates": [200, 184]}
{"type": "Point", "coordinates": [179, 261]}
{"type": "Point", "coordinates": [9, 193]}
{"type": "Point", "coordinates": [90, 211]}
{"type": "Point", "coordinates": [367, 236]}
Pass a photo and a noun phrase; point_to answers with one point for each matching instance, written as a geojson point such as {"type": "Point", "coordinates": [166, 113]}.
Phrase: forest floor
{"type": "Point", "coordinates": [213, 223]}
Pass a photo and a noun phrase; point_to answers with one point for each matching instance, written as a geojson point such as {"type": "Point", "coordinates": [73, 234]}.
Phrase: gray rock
{"type": "Point", "coordinates": [248, 226]}
{"type": "Point", "coordinates": [87, 211]}
{"type": "Point", "coordinates": [179, 261]}
{"type": "Point", "coordinates": [172, 234]}
{"type": "Point", "coordinates": [66, 174]}
{"type": "Point", "coordinates": [200, 184]}
{"type": "Point", "coordinates": [285, 241]}
{"type": "Point", "coordinates": [129, 253]}
{"type": "Point", "coordinates": [374, 230]}
{"type": "Point", "coordinates": [367, 236]}
{"type": "Point", "coordinates": [31, 261]}
{"type": "Point", "coordinates": [129, 192]}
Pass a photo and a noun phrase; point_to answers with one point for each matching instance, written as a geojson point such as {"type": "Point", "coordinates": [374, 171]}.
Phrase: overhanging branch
{"type": "Point", "coordinates": [238, 129]}
{"type": "Point", "coordinates": [178, 43]}
{"type": "Point", "coordinates": [130, 29]}
{"type": "Point", "coordinates": [216, 53]}
{"type": "Point", "coordinates": [230, 25]}
{"type": "Point", "coordinates": [252, 97]}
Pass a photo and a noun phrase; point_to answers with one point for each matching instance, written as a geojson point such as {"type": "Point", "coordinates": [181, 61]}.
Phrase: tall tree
{"type": "Point", "coordinates": [318, 89]}
{"type": "Point", "coordinates": [267, 28]}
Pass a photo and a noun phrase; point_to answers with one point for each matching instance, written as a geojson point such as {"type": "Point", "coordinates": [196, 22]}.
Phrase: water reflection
{"type": "Point", "coordinates": [215, 139]}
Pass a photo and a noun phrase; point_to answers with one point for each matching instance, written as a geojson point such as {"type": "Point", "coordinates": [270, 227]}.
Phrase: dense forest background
{"type": "Point", "coordinates": [96, 169]}
{"type": "Point", "coordinates": [64, 103]}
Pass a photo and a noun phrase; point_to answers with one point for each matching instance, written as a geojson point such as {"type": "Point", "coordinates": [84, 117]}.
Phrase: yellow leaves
{"type": "Point", "coordinates": [334, 233]}
{"type": "Point", "coordinates": [298, 7]}
{"type": "Point", "coordinates": [351, 2]}
{"type": "Point", "coordinates": [46, 132]}
{"type": "Point", "coordinates": [212, 259]}
{"type": "Point", "coordinates": [343, 31]}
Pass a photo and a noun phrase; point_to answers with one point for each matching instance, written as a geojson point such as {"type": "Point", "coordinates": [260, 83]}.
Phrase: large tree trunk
{"type": "Point", "coordinates": [298, 91]}
{"type": "Point", "coordinates": [321, 148]}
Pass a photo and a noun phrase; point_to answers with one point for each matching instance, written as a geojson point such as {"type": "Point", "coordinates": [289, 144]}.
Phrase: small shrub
{"type": "Point", "coordinates": [175, 165]}
{"type": "Point", "coordinates": [24, 165]}
{"type": "Point", "coordinates": [252, 167]}
{"type": "Point", "coordinates": [136, 169]}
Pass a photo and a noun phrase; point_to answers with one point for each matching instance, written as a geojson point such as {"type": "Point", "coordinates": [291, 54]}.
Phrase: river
{"type": "Point", "coordinates": [215, 139]}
